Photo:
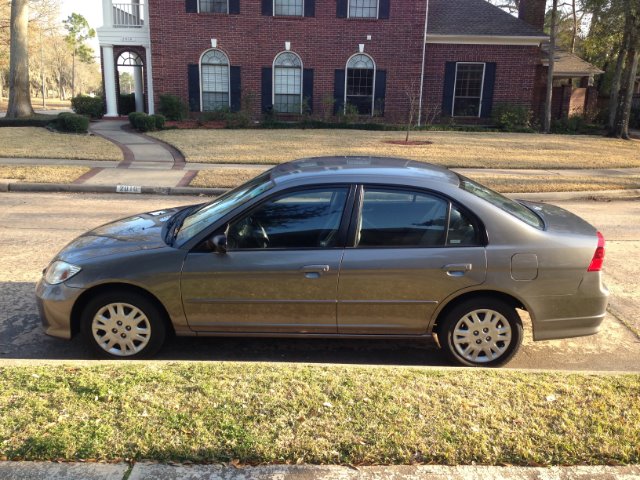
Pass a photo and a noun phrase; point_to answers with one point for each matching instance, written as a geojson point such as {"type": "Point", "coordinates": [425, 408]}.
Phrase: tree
{"type": "Point", "coordinates": [552, 49]}
{"type": "Point", "coordinates": [79, 32]}
{"type": "Point", "coordinates": [19, 92]}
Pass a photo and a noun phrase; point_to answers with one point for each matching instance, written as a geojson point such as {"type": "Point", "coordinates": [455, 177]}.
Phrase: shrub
{"type": "Point", "coordinates": [634, 120]}
{"type": "Point", "coordinates": [127, 103]}
{"type": "Point", "coordinates": [159, 121]}
{"type": "Point", "coordinates": [172, 107]}
{"type": "Point", "coordinates": [237, 120]}
{"type": "Point", "coordinates": [133, 118]}
{"type": "Point", "coordinates": [92, 107]}
{"type": "Point", "coordinates": [512, 118]}
{"type": "Point", "coordinates": [71, 122]}
{"type": "Point", "coordinates": [143, 122]}
{"type": "Point", "coordinates": [218, 115]}
{"type": "Point", "coordinates": [37, 120]}
{"type": "Point", "coordinates": [574, 125]}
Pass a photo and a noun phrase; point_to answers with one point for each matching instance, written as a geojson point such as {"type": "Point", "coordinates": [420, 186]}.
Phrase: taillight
{"type": "Point", "coordinates": [598, 257]}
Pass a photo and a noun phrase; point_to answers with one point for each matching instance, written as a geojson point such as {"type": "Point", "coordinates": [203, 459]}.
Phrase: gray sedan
{"type": "Point", "coordinates": [353, 247]}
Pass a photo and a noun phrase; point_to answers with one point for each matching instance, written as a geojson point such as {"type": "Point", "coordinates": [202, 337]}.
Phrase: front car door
{"type": "Point", "coordinates": [410, 250]}
{"type": "Point", "coordinates": [280, 273]}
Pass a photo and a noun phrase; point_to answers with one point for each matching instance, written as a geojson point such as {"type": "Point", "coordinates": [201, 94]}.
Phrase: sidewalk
{"type": "Point", "coordinates": [152, 166]}
{"type": "Point", "coordinates": [152, 471]}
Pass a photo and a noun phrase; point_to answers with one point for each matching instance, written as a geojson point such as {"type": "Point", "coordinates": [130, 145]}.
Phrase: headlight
{"type": "Point", "coordinates": [59, 272]}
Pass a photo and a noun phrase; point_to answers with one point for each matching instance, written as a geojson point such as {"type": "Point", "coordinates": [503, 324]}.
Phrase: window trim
{"type": "Point", "coordinates": [214, 13]}
{"type": "Point", "coordinates": [373, 85]}
{"type": "Point", "coordinates": [377, 17]}
{"type": "Point", "coordinates": [290, 16]}
{"type": "Point", "coordinates": [343, 230]}
{"type": "Point", "coordinates": [483, 237]}
{"type": "Point", "coordinates": [455, 83]}
{"type": "Point", "coordinates": [200, 73]}
{"type": "Point", "coordinates": [273, 81]}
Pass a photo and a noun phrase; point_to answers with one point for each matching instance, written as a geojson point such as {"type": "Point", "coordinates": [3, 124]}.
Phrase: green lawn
{"type": "Point", "coordinates": [278, 413]}
{"type": "Point", "coordinates": [451, 149]}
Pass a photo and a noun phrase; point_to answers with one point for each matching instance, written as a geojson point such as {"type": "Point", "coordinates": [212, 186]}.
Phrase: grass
{"type": "Point", "coordinates": [263, 413]}
{"type": "Point", "coordinates": [228, 177]}
{"type": "Point", "coordinates": [34, 142]}
{"type": "Point", "coordinates": [452, 149]}
{"type": "Point", "coordinates": [42, 174]}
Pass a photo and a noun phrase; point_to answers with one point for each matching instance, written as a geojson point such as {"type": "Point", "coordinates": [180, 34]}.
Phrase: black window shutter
{"type": "Point", "coordinates": [234, 7]}
{"type": "Point", "coordinates": [449, 85]}
{"type": "Point", "coordinates": [380, 93]}
{"type": "Point", "coordinates": [307, 88]}
{"type": "Point", "coordinates": [192, 6]}
{"type": "Point", "coordinates": [487, 89]}
{"type": "Point", "coordinates": [236, 89]}
{"type": "Point", "coordinates": [194, 87]}
{"type": "Point", "coordinates": [338, 92]}
{"type": "Point", "coordinates": [267, 8]}
{"type": "Point", "coordinates": [341, 8]}
{"type": "Point", "coordinates": [384, 9]}
{"type": "Point", "coordinates": [267, 102]}
{"type": "Point", "coordinates": [309, 8]}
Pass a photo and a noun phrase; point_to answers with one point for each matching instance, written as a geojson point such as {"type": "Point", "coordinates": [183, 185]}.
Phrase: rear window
{"type": "Point", "coordinates": [514, 208]}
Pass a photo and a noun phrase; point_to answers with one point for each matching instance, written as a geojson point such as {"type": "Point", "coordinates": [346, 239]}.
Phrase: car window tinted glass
{"type": "Point", "coordinates": [209, 213]}
{"type": "Point", "coordinates": [514, 208]}
{"type": "Point", "coordinates": [396, 218]}
{"type": "Point", "coordinates": [462, 230]}
{"type": "Point", "coordinates": [309, 219]}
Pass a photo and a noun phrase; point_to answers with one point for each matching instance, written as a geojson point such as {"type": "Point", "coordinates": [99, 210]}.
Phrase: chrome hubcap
{"type": "Point", "coordinates": [482, 336]}
{"type": "Point", "coordinates": [121, 329]}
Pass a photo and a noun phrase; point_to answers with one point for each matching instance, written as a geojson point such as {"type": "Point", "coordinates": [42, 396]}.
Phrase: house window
{"type": "Point", "coordinates": [363, 8]}
{"type": "Point", "coordinates": [214, 68]}
{"type": "Point", "coordinates": [214, 6]}
{"type": "Point", "coordinates": [360, 83]}
{"type": "Point", "coordinates": [288, 7]}
{"type": "Point", "coordinates": [467, 100]}
{"type": "Point", "coordinates": [287, 83]}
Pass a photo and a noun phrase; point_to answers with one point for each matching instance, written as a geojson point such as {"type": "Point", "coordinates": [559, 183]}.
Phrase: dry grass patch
{"type": "Point", "coordinates": [34, 142]}
{"type": "Point", "coordinates": [531, 182]}
{"type": "Point", "coordinates": [452, 149]}
{"type": "Point", "coordinates": [41, 173]}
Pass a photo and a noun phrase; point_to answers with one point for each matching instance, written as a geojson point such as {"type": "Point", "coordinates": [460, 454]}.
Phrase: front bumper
{"type": "Point", "coordinates": [55, 303]}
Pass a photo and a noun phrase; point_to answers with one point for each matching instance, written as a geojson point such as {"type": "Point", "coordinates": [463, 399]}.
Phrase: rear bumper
{"type": "Point", "coordinates": [55, 303]}
{"type": "Point", "coordinates": [557, 317]}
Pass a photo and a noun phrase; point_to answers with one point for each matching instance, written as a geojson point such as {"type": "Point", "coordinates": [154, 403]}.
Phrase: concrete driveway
{"type": "Point", "coordinates": [33, 227]}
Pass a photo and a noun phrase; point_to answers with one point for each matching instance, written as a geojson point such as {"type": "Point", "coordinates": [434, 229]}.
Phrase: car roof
{"type": "Point", "coordinates": [337, 169]}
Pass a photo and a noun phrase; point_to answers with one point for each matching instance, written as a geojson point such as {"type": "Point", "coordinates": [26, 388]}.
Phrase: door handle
{"type": "Point", "coordinates": [313, 272]}
{"type": "Point", "coordinates": [457, 269]}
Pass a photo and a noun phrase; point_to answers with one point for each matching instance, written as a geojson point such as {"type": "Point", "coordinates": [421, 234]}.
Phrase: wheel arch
{"type": "Point", "coordinates": [83, 300]}
{"type": "Point", "coordinates": [452, 302]}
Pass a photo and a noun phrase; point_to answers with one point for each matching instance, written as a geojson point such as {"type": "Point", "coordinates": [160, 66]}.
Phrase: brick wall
{"type": "Point", "coordinates": [516, 68]}
{"type": "Point", "coordinates": [324, 43]}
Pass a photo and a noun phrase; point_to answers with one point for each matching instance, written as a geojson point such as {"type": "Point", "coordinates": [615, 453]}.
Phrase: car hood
{"type": "Point", "coordinates": [140, 232]}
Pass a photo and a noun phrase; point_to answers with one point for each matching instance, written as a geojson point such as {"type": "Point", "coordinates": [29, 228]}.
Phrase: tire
{"type": "Point", "coordinates": [123, 325]}
{"type": "Point", "coordinates": [481, 332]}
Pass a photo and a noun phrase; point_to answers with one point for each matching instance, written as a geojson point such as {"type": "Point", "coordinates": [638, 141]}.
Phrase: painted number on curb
{"type": "Point", "coordinates": [128, 189]}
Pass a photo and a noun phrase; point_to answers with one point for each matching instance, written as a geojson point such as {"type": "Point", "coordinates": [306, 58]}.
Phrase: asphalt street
{"type": "Point", "coordinates": [34, 226]}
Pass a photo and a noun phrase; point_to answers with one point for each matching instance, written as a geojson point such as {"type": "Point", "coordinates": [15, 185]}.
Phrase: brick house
{"type": "Point", "coordinates": [452, 57]}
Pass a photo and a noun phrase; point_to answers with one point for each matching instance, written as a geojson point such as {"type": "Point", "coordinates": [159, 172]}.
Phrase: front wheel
{"type": "Point", "coordinates": [123, 325]}
{"type": "Point", "coordinates": [481, 332]}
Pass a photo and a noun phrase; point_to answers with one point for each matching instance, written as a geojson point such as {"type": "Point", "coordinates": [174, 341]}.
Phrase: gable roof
{"type": "Point", "coordinates": [476, 18]}
{"type": "Point", "coordinates": [569, 65]}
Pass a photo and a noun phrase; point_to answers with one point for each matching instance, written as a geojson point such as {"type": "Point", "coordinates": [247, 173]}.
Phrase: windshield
{"type": "Point", "coordinates": [212, 211]}
{"type": "Point", "coordinates": [514, 208]}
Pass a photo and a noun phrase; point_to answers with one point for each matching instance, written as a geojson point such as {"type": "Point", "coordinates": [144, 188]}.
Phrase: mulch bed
{"type": "Point", "coordinates": [410, 143]}
{"type": "Point", "coordinates": [191, 124]}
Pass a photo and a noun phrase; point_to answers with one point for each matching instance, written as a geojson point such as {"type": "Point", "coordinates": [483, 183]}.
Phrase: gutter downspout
{"type": "Point", "coordinates": [424, 53]}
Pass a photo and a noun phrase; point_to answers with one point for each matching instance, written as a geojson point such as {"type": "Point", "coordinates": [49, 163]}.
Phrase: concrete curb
{"type": "Point", "coordinates": [9, 186]}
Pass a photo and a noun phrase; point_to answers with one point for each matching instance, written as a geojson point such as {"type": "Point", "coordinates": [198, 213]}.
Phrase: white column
{"type": "Point", "coordinates": [139, 90]}
{"type": "Point", "coordinates": [108, 67]}
{"type": "Point", "coordinates": [107, 13]}
{"type": "Point", "coordinates": [149, 71]}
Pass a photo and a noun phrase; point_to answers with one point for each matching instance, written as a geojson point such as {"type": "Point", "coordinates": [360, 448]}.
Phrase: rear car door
{"type": "Point", "coordinates": [410, 250]}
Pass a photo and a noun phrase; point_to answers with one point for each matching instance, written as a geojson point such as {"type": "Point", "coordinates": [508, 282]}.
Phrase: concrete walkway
{"type": "Point", "coordinates": [152, 471]}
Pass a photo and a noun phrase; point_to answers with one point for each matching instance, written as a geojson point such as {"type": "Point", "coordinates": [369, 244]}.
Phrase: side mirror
{"type": "Point", "coordinates": [220, 243]}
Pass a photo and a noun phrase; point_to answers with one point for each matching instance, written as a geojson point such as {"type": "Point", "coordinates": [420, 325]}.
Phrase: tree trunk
{"type": "Point", "coordinates": [575, 27]}
{"type": "Point", "coordinates": [621, 128]}
{"type": "Point", "coordinates": [552, 49]}
{"type": "Point", "coordinates": [617, 79]}
{"type": "Point", "coordinates": [1, 84]}
{"type": "Point", "coordinates": [73, 75]}
{"type": "Point", "coordinates": [19, 93]}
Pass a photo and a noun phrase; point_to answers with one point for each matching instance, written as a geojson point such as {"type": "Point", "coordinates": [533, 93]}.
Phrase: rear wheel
{"type": "Point", "coordinates": [123, 325]}
{"type": "Point", "coordinates": [481, 332]}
